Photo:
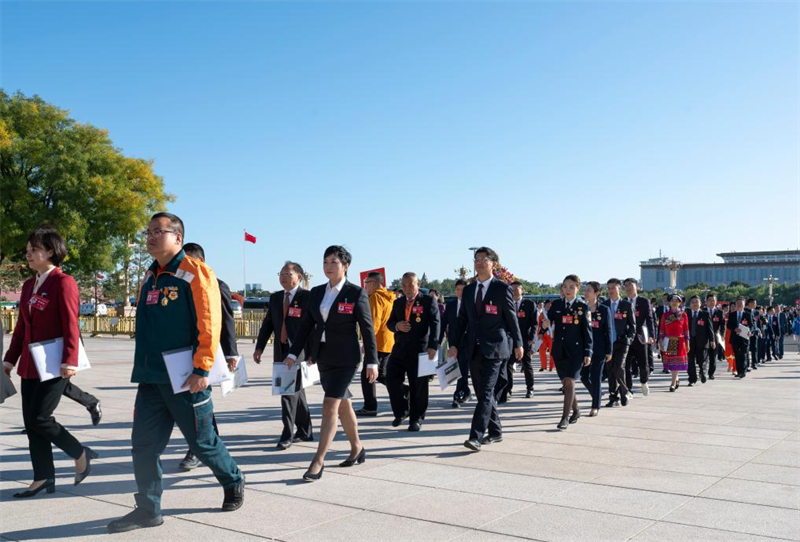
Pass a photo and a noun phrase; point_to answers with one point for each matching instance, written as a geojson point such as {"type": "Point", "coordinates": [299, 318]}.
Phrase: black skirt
{"type": "Point", "coordinates": [569, 368]}
{"type": "Point", "coordinates": [335, 379]}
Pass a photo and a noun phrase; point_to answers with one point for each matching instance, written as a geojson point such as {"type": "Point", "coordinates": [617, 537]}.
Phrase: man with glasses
{"type": "Point", "coordinates": [380, 304]}
{"type": "Point", "coordinates": [283, 318]}
{"type": "Point", "coordinates": [179, 307]}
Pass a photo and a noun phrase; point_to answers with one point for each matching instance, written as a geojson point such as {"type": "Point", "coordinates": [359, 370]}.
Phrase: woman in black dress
{"type": "Point", "coordinates": [334, 310]}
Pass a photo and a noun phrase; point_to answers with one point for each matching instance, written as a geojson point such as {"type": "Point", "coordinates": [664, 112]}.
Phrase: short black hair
{"type": "Point", "coordinates": [709, 296]}
{"type": "Point", "coordinates": [174, 221]}
{"type": "Point", "coordinates": [340, 252]}
{"type": "Point", "coordinates": [750, 300]}
{"type": "Point", "coordinates": [614, 281]}
{"type": "Point", "coordinates": [47, 237]}
{"type": "Point", "coordinates": [631, 280]}
{"type": "Point", "coordinates": [573, 278]}
{"type": "Point", "coordinates": [516, 283]}
{"type": "Point", "coordinates": [194, 250]}
{"type": "Point", "coordinates": [295, 267]}
{"type": "Point", "coordinates": [594, 285]}
{"type": "Point", "coordinates": [460, 282]}
{"type": "Point", "coordinates": [491, 254]}
{"type": "Point", "coordinates": [693, 298]}
{"type": "Point", "coordinates": [376, 275]}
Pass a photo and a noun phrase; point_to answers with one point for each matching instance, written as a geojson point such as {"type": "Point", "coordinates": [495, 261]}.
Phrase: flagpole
{"type": "Point", "coordinates": [244, 263]}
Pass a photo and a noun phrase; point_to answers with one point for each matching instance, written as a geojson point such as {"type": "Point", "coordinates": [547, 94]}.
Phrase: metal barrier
{"type": "Point", "coordinates": [246, 328]}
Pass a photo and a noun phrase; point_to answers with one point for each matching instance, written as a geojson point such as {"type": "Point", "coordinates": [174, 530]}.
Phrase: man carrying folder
{"type": "Point", "coordinates": [178, 306]}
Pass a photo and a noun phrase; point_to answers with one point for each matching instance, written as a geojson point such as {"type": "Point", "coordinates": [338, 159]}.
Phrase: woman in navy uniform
{"type": "Point", "coordinates": [601, 322]}
{"type": "Point", "coordinates": [572, 343]}
{"type": "Point", "coordinates": [334, 310]}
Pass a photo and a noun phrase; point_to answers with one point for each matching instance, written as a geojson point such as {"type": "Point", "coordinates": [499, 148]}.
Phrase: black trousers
{"type": "Point", "coordinates": [753, 346]}
{"type": "Point", "coordinates": [617, 385]}
{"type": "Point", "coordinates": [369, 391]}
{"type": "Point", "coordinates": [505, 380]}
{"type": "Point", "coordinates": [527, 368]}
{"type": "Point", "coordinates": [294, 409]}
{"type": "Point", "coordinates": [591, 377]}
{"type": "Point", "coordinates": [39, 401]}
{"type": "Point", "coordinates": [484, 378]}
{"type": "Point", "coordinates": [740, 348]}
{"type": "Point", "coordinates": [717, 354]}
{"type": "Point", "coordinates": [698, 357]}
{"type": "Point", "coordinates": [71, 391]}
{"type": "Point", "coordinates": [636, 356]}
{"type": "Point", "coordinates": [417, 402]}
{"type": "Point", "coordinates": [462, 386]}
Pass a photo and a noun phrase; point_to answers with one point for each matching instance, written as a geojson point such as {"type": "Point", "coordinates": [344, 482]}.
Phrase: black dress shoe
{"type": "Point", "coordinates": [284, 445]}
{"type": "Point", "coordinates": [691, 384]}
{"type": "Point", "coordinates": [308, 477]}
{"type": "Point", "coordinates": [456, 404]}
{"type": "Point", "coordinates": [712, 377]}
{"type": "Point", "coordinates": [528, 394]}
{"type": "Point", "coordinates": [297, 438]}
{"type": "Point", "coordinates": [612, 403]}
{"type": "Point", "coordinates": [96, 413]}
{"type": "Point", "coordinates": [623, 400]}
{"type": "Point", "coordinates": [234, 497]}
{"type": "Point", "coordinates": [702, 379]}
{"type": "Point", "coordinates": [575, 416]}
{"type": "Point", "coordinates": [137, 519]}
{"type": "Point", "coordinates": [414, 427]}
{"type": "Point", "coordinates": [359, 459]}
{"type": "Point", "coordinates": [473, 445]}
{"type": "Point", "coordinates": [467, 398]}
{"type": "Point", "coordinates": [189, 462]}
{"type": "Point", "coordinates": [363, 412]}
{"type": "Point", "coordinates": [491, 440]}
{"type": "Point", "coordinates": [396, 422]}
{"type": "Point", "coordinates": [49, 485]}
{"type": "Point", "coordinates": [541, 370]}
{"type": "Point", "coordinates": [563, 424]}
{"type": "Point", "coordinates": [90, 454]}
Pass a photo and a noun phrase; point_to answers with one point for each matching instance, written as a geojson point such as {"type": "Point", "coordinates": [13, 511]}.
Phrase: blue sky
{"type": "Point", "coordinates": [572, 137]}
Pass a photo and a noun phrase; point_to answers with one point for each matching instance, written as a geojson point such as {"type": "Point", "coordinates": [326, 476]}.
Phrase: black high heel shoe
{"type": "Point", "coordinates": [90, 454]}
{"type": "Point", "coordinates": [360, 458]}
{"type": "Point", "coordinates": [308, 477]}
{"type": "Point", "coordinates": [563, 424]}
{"type": "Point", "coordinates": [49, 485]}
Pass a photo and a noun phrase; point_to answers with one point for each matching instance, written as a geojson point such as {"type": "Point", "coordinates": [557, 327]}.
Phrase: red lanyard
{"type": "Point", "coordinates": [409, 304]}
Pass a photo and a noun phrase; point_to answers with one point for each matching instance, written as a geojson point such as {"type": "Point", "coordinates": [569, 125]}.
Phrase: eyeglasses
{"type": "Point", "coordinates": [481, 260]}
{"type": "Point", "coordinates": [155, 234]}
{"type": "Point", "coordinates": [290, 274]}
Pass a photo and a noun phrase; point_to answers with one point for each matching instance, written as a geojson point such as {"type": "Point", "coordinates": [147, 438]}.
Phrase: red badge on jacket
{"type": "Point", "coordinates": [346, 308]}
{"type": "Point", "coordinates": [152, 297]}
{"type": "Point", "coordinates": [294, 312]}
{"type": "Point", "coordinates": [491, 309]}
{"type": "Point", "coordinates": [38, 302]}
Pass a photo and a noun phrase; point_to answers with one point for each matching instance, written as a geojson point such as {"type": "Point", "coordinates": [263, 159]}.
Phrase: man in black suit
{"type": "Point", "coordinates": [623, 333]}
{"type": "Point", "coordinates": [740, 316]}
{"type": "Point", "coordinates": [750, 307]}
{"type": "Point", "coordinates": [283, 318]}
{"type": "Point", "coordinates": [527, 318]}
{"type": "Point", "coordinates": [227, 341]}
{"type": "Point", "coordinates": [645, 336]}
{"type": "Point", "coordinates": [448, 328]}
{"type": "Point", "coordinates": [773, 334]}
{"type": "Point", "coordinates": [718, 323]}
{"type": "Point", "coordinates": [486, 322]}
{"type": "Point", "coordinates": [415, 324]}
{"type": "Point", "coordinates": [701, 340]}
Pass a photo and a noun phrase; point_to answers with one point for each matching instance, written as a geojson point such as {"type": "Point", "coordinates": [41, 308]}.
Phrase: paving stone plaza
{"type": "Point", "coordinates": [720, 461]}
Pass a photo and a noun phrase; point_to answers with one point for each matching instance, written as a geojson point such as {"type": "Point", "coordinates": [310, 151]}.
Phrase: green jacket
{"type": "Point", "coordinates": [178, 306]}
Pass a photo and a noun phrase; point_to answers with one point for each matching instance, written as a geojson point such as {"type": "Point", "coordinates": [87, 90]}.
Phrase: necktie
{"type": "Point", "coordinates": [613, 324]}
{"type": "Point", "coordinates": [694, 322]}
{"type": "Point", "coordinates": [284, 334]}
{"type": "Point", "coordinates": [479, 308]}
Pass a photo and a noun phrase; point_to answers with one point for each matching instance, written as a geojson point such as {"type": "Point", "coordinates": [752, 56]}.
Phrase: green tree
{"type": "Point", "coordinates": [59, 171]}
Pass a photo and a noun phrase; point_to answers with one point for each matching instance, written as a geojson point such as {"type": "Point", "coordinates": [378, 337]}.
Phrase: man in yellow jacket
{"type": "Point", "coordinates": [380, 303]}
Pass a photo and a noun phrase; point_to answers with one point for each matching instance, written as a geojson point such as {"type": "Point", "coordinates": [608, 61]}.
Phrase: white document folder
{"type": "Point", "coordinates": [47, 358]}
{"type": "Point", "coordinates": [427, 366]}
{"type": "Point", "coordinates": [448, 372]}
{"type": "Point", "coordinates": [284, 380]}
{"type": "Point", "coordinates": [239, 378]}
{"type": "Point", "coordinates": [180, 364]}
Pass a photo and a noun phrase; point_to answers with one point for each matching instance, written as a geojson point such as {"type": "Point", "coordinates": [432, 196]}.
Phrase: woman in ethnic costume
{"type": "Point", "coordinates": [673, 339]}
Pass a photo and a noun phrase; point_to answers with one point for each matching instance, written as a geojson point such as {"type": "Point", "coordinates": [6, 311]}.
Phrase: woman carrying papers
{"type": "Point", "coordinates": [48, 310]}
{"type": "Point", "coordinates": [673, 339]}
{"type": "Point", "coordinates": [334, 309]}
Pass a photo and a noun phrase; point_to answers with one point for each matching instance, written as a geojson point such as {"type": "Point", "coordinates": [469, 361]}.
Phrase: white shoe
{"type": "Point", "coordinates": [645, 390]}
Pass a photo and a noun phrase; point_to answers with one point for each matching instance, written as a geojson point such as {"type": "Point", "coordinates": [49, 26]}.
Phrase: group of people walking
{"type": "Point", "coordinates": [489, 328]}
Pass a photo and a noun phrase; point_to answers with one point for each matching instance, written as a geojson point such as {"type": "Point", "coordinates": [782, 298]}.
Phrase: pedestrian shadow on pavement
{"type": "Point", "coordinates": [83, 529]}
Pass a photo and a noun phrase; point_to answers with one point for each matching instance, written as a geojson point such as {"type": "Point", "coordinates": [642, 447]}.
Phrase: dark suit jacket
{"type": "Point", "coordinates": [783, 318]}
{"type": "Point", "coordinates": [423, 334]}
{"type": "Point", "coordinates": [624, 324]}
{"type": "Point", "coordinates": [449, 322]}
{"type": "Point", "coordinates": [774, 328]}
{"type": "Point", "coordinates": [717, 321]}
{"type": "Point", "coordinates": [57, 316]}
{"type": "Point", "coordinates": [644, 317]}
{"type": "Point", "coordinates": [601, 331]}
{"type": "Point", "coordinates": [273, 322]}
{"type": "Point", "coordinates": [570, 341]}
{"type": "Point", "coordinates": [341, 338]}
{"type": "Point", "coordinates": [527, 316]}
{"type": "Point", "coordinates": [701, 330]}
{"type": "Point", "coordinates": [227, 339]}
{"type": "Point", "coordinates": [733, 325]}
{"type": "Point", "coordinates": [492, 333]}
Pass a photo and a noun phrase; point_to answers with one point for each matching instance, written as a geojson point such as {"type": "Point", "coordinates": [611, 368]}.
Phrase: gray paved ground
{"type": "Point", "coordinates": [717, 462]}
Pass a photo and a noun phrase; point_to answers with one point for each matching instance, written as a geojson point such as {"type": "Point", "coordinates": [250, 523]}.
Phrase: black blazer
{"type": "Point", "coordinates": [701, 331]}
{"type": "Point", "coordinates": [350, 307]}
{"type": "Point", "coordinates": [601, 331]}
{"type": "Point", "coordinates": [423, 335]}
{"type": "Point", "coordinates": [273, 322]}
{"type": "Point", "coordinates": [527, 316]}
{"type": "Point", "coordinates": [733, 325]}
{"type": "Point", "coordinates": [644, 317]}
{"type": "Point", "coordinates": [227, 339]}
{"type": "Point", "coordinates": [717, 321]}
{"type": "Point", "coordinates": [570, 341]}
{"type": "Point", "coordinates": [624, 324]}
{"type": "Point", "coordinates": [492, 333]}
{"type": "Point", "coordinates": [773, 329]}
{"type": "Point", "coordinates": [449, 322]}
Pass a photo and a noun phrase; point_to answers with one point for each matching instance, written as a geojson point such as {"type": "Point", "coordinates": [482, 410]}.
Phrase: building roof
{"type": "Point", "coordinates": [760, 253]}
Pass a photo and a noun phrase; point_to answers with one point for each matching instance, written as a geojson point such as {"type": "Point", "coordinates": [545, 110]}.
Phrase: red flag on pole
{"type": "Point", "coordinates": [248, 237]}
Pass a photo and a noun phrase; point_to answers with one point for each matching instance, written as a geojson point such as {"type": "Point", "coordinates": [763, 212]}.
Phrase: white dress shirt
{"type": "Point", "coordinates": [41, 278]}
{"type": "Point", "coordinates": [485, 287]}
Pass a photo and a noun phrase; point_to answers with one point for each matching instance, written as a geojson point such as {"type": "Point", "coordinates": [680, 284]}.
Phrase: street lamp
{"type": "Point", "coordinates": [771, 280]}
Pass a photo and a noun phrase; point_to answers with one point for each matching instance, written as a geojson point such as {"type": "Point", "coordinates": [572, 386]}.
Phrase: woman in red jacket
{"type": "Point", "coordinates": [48, 309]}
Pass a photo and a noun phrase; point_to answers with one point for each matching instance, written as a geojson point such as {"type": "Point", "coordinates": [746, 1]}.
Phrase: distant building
{"type": "Point", "coordinates": [254, 286]}
{"type": "Point", "coordinates": [750, 268]}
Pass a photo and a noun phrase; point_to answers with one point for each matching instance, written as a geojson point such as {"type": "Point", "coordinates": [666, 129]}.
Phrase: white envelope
{"type": "Point", "coordinates": [284, 380]}
{"type": "Point", "coordinates": [449, 372]}
{"type": "Point", "coordinates": [47, 358]}
{"type": "Point", "coordinates": [427, 367]}
{"type": "Point", "coordinates": [180, 364]}
{"type": "Point", "coordinates": [239, 378]}
{"type": "Point", "coordinates": [309, 374]}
